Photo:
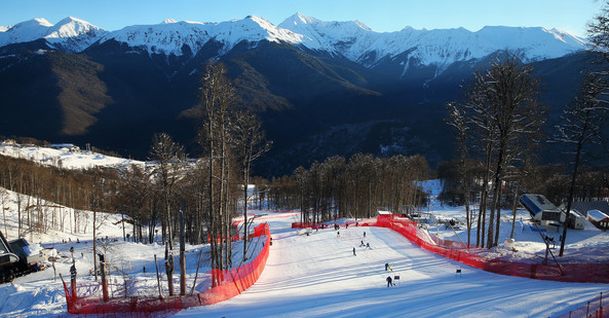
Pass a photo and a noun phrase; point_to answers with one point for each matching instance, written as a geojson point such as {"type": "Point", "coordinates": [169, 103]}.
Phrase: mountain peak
{"type": "Point", "coordinates": [25, 31]}
{"type": "Point", "coordinates": [38, 21]}
{"type": "Point", "coordinates": [298, 18]}
{"type": "Point", "coordinates": [171, 38]}
{"type": "Point", "coordinates": [169, 21]}
{"type": "Point", "coordinates": [70, 27]}
{"type": "Point", "coordinates": [72, 34]}
{"type": "Point", "coordinates": [361, 25]}
{"type": "Point", "coordinates": [71, 19]}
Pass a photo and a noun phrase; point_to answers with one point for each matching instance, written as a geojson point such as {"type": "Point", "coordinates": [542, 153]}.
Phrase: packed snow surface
{"type": "Point", "coordinates": [318, 276]}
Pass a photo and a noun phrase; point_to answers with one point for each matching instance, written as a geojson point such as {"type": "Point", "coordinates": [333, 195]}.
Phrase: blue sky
{"type": "Point", "coordinates": [380, 15]}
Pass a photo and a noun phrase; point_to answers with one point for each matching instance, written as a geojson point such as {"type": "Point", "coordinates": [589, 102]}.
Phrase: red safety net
{"type": "Point", "coordinates": [234, 282]}
{"type": "Point", "coordinates": [583, 272]}
{"type": "Point", "coordinates": [304, 225]}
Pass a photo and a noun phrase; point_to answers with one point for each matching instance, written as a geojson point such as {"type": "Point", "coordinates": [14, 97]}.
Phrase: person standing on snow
{"type": "Point", "coordinates": [389, 281]}
{"type": "Point", "coordinates": [362, 244]}
{"type": "Point", "coordinates": [337, 233]}
{"type": "Point", "coordinates": [387, 267]}
{"type": "Point", "coordinates": [364, 233]}
{"type": "Point", "coordinates": [354, 252]}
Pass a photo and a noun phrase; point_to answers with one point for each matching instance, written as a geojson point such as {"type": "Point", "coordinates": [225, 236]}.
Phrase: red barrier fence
{"type": "Point", "coordinates": [304, 225]}
{"type": "Point", "coordinates": [584, 273]}
{"type": "Point", "coordinates": [234, 282]}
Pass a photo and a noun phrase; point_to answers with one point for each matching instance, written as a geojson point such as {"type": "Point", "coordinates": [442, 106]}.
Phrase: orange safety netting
{"type": "Point", "coordinates": [234, 282]}
{"type": "Point", "coordinates": [583, 272]}
{"type": "Point", "coordinates": [304, 225]}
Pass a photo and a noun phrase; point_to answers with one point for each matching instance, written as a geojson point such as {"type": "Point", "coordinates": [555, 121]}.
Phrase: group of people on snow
{"type": "Point", "coordinates": [388, 268]}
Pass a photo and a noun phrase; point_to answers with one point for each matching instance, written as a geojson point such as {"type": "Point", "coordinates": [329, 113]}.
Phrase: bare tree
{"type": "Point", "coordinates": [580, 124]}
{"type": "Point", "coordinates": [249, 143]}
{"type": "Point", "coordinates": [505, 96]}
{"type": "Point", "coordinates": [598, 31]}
{"type": "Point", "coordinates": [168, 156]}
{"type": "Point", "coordinates": [457, 119]}
{"type": "Point", "coordinates": [217, 97]}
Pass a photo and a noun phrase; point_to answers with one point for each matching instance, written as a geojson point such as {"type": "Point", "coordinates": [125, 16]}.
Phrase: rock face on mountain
{"type": "Point", "coordinates": [321, 88]}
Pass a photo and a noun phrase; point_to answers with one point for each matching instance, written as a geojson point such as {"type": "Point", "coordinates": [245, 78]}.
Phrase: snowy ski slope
{"type": "Point", "coordinates": [318, 276]}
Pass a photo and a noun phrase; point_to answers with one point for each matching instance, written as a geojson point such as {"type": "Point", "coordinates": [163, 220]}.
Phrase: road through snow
{"type": "Point", "coordinates": [318, 276]}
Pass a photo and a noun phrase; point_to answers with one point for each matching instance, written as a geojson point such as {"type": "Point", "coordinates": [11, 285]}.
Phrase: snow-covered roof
{"type": "Point", "coordinates": [597, 215]}
{"type": "Point", "coordinates": [384, 212]}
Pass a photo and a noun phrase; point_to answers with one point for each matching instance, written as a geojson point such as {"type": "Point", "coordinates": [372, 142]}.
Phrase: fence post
{"type": "Point", "coordinates": [588, 309]}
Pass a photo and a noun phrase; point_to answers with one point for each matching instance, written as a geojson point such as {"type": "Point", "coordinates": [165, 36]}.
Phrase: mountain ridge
{"type": "Point", "coordinates": [352, 39]}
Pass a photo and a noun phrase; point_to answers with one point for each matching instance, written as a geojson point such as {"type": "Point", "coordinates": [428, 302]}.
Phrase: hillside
{"type": "Point", "coordinates": [318, 91]}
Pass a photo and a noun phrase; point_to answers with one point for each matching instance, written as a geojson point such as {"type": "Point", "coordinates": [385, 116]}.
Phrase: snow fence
{"type": "Point", "coordinates": [234, 282]}
{"type": "Point", "coordinates": [304, 225]}
{"type": "Point", "coordinates": [584, 273]}
{"type": "Point", "coordinates": [594, 308]}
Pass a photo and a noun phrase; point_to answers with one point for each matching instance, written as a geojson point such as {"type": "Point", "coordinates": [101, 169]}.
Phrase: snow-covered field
{"type": "Point", "coordinates": [64, 158]}
{"type": "Point", "coordinates": [588, 245]}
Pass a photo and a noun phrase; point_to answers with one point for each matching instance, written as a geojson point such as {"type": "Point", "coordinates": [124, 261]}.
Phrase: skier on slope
{"type": "Point", "coordinates": [364, 233]}
{"type": "Point", "coordinates": [368, 245]}
{"type": "Point", "coordinates": [362, 244]}
{"type": "Point", "coordinates": [387, 267]}
{"type": "Point", "coordinates": [337, 233]}
{"type": "Point", "coordinates": [354, 252]}
{"type": "Point", "coordinates": [389, 281]}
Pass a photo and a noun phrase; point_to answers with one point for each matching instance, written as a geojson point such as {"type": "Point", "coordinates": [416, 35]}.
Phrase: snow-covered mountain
{"type": "Point", "coordinates": [3, 28]}
{"type": "Point", "coordinates": [351, 39]}
{"type": "Point", "coordinates": [171, 37]}
{"type": "Point", "coordinates": [439, 47]}
{"type": "Point", "coordinates": [71, 34]}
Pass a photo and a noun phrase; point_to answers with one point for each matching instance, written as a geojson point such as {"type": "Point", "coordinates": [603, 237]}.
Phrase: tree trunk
{"type": "Point", "coordinates": [496, 195]}
{"type": "Point", "coordinates": [182, 256]}
{"type": "Point", "coordinates": [514, 207]}
{"type": "Point", "coordinates": [570, 200]}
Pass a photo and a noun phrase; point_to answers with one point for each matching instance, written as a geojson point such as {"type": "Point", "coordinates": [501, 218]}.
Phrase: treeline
{"type": "Point", "coordinates": [550, 180]}
{"type": "Point", "coordinates": [37, 185]}
{"type": "Point", "coordinates": [356, 187]}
